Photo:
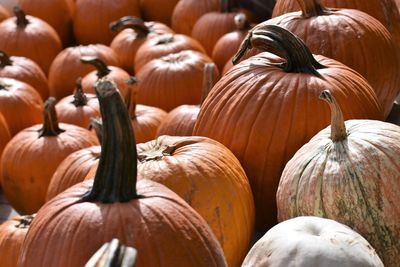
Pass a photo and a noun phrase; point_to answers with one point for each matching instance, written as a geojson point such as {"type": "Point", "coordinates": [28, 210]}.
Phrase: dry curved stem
{"type": "Point", "coordinates": [283, 43]}
{"type": "Point", "coordinates": [338, 128]}
{"type": "Point", "coordinates": [97, 125]}
{"type": "Point", "coordinates": [312, 8]}
{"type": "Point", "coordinates": [165, 39]}
{"type": "Point", "coordinates": [102, 68]}
{"type": "Point", "coordinates": [5, 60]}
{"type": "Point", "coordinates": [25, 221]}
{"type": "Point", "coordinates": [50, 120]}
{"type": "Point", "coordinates": [208, 80]}
{"type": "Point", "coordinates": [130, 97]}
{"type": "Point", "coordinates": [22, 21]}
{"type": "Point", "coordinates": [80, 98]}
{"type": "Point", "coordinates": [130, 22]}
{"type": "Point", "coordinates": [113, 254]}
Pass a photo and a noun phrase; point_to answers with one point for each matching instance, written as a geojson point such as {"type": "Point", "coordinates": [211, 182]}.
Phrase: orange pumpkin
{"type": "Point", "coordinates": [142, 214]}
{"type": "Point", "coordinates": [4, 14]}
{"type": "Point", "coordinates": [12, 235]}
{"type": "Point", "coordinates": [78, 108]}
{"type": "Point", "coordinates": [320, 28]}
{"type": "Point", "coordinates": [32, 156]}
{"type": "Point", "coordinates": [173, 80]}
{"type": "Point", "coordinates": [20, 105]}
{"type": "Point", "coordinates": [164, 45]}
{"type": "Point", "coordinates": [24, 70]}
{"type": "Point", "coordinates": [67, 67]}
{"type": "Point", "coordinates": [135, 32]}
{"type": "Point", "coordinates": [93, 17]}
{"type": "Point", "coordinates": [5, 135]}
{"type": "Point", "coordinates": [19, 31]}
{"type": "Point", "coordinates": [272, 109]}
{"type": "Point", "coordinates": [156, 10]}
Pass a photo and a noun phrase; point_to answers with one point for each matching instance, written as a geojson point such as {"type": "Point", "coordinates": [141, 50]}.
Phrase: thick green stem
{"type": "Point", "coordinates": [80, 98]}
{"type": "Point", "coordinates": [5, 60]}
{"type": "Point", "coordinates": [115, 179]}
{"type": "Point", "coordinates": [338, 128]}
{"type": "Point", "coordinates": [50, 120]}
{"type": "Point", "coordinates": [312, 8]}
{"type": "Point", "coordinates": [130, 97]}
{"type": "Point", "coordinates": [102, 68]}
{"type": "Point", "coordinates": [22, 21]}
{"type": "Point", "coordinates": [281, 42]}
{"type": "Point", "coordinates": [113, 254]}
{"type": "Point", "coordinates": [130, 22]}
{"type": "Point", "coordinates": [208, 80]}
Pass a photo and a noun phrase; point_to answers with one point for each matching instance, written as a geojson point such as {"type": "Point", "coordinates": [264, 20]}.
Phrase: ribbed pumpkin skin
{"type": "Point", "coordinates": [12, 235]}
{"type": "Point", "coordinates": [26, 70]}
{"type": "Point", "coordinates": [173, 80]}
{"type": "Point", "coordinates": [146, 122]}
{"type": "Point", "coordinates": [160, 225]}
{"type": "Point", "coordinates": [187, 12]}
{"type": "Point", "coordinates": [92, 18]}
{"type": "Point", "coordinates": [180, 121]}
{"type": "Point", "coordinates": [156, 48]}
{"type": "Point", "coordinates": [210, 179]}
{"type": "Point", "coordinates": [20, 105]}
{"type": "Point", "coordinates": [273, 113]}
{"type": "Point", "coordinates": [354, 182]}
{"type": "Point", "coordinates": [67, 67]}
{"type": "Point", "coordinates": [73, 170]}
{"type": "Point", "coordinates": [57, 13]}
{"type": "Point", "coordinates": [43, 40]}
{"type": "Point", "coordinates": [152, 12]}
{"type": "Point", "coordinates": [365, 46]}
{"type": "Point", "coordinates": [29, 162]}
{"type": "Point", "coordinates": [69, 113]}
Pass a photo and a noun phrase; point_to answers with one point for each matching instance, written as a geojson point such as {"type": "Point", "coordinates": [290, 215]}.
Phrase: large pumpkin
{"type": "Point", "coordinates": [273, 110]}
{"type": "Point", "coordinates": [32, 156]}
{"type": "Point", "coordinates": [142, 214]}
{"type": "Point", "coordinates": [156, 10]}
{"type": "Point", "coordinates": [348, 172]}
{"type": "Point", "coordinates": [365, 46]}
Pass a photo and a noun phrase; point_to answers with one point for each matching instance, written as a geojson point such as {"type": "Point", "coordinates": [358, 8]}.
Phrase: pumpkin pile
{"type": "Point", "coordinates": [200, 133]}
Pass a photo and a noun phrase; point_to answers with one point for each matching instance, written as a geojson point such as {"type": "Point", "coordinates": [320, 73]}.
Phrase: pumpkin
{"type": "Point", "coordinates": [78, 108]}
{"type": "Point", "coordinates": [57, 13]}
{"type": "Point", "coordinates": [12, 234]}
{"type": "Point", "coordinates": [19, 31]}
{"type": "Point", "coordinates": [187, 12]}
{"type": "Point", "coordinates": [116, 74]}
{"type": "Point", "coordinates": [152, 12]}
{"type": "Point", "coordinates": [173, 80]}
{"type": "Point", "coordinates": [32, 156]}
{"type": "Point", "coordinates": [134, 33]}
{"type": "Point", "coordinates": [348, 172]}
{"type": "Point", "coordinates": [270, 99]}
{"type": "Point", "coordinates": [145, 119]}
{"type": "Point", "coordinates": [227, 46]}
{"type": "Point", "coordinates": [20, 105]}
{"type": "Point", "coordinates": [67, 67]}
{"type": "Point", "coordinates": [365, 46]}
{"type": "Point", "coordinates": [93, 17]}
{"type": "Point", "coordinates": [113, 254]}
{"type": "Point", "coordinates": [142, 214]}
{"type": "Point", "coordinates": [5, 135]}
{"type": "Point", "coordinates": [198, 169]}
{"type": "Point", "coordinates": [181, 120]}
{"type": "Point", "coordinates": [312, 241]}
{"type": "Point", "coordinates": [4, 14]}
{"type": "Point", "coordinates": [164, 45]}
{"type": "Point", "coordinates": [24, 70]}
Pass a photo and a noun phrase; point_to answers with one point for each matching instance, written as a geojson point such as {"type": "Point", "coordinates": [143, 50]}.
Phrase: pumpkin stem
{"type": "Point", "coordinates": [25, 221]}
{"type": "Point", "coordinates": [130, 22]}
{"type": "Point", "coordinates": [5, 60]}
{"type": "Point", "coordinates": [97, 125]}
{"type": "Point", "coordinates": [80, 98]}
{"type": "Point", "coordinates": [22, 21]}
{"type": "Point", "coordinates": [165, 39]}
{"type": "Point", "coordinates": [312, 8]}
{"type": "Point", "coordinates": [283, 43]}
{"type": "Point", "coordinates": [113, 254]}
{"type": "Point", "coordinates": [115, 179]}
{"type": "Point", "coordinates": [50, 120]}
{"type": "Point", "coordinates": [228, 6]}
{"type": "Point", "coordinates": [338, 128]}
{"type": "Point", "coordinates": [241, 22]}
{"type": "Point", "coordinates": [130, 97]}
{"type": "Point", "coordinates": [208, 80]}
{"type": "Point", "coordinates": [102, 68]}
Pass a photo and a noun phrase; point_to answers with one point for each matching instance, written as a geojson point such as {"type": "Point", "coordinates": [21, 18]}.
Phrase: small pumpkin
{"type": "Point", "coordinates": [113, 254]}
{"type": "Point", "coordinates": [152, 12]}
{"type": "Point", "coordinates": [19, 31]}
{"type": "Point", "coordinates": [133, 33]}
{"type": "Point", "coordinates": [312, 241]}
{"type": "Point", "coordinates": [67, 67]}
{"type": "Point", "coordinates": [78, 108]}
{"type": "Point", "coordinates": [348, 172]}
{"type": "Point", "coordinates": [12, 235]}
{"type": "Point", "coordinates": [142, 214]}
{"type": "Point", "coordinates": [32, 156]}
{"type": "Point", "coordinates": [24, 70]}
{"type": "Point", "coordinates": [164, 45]}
